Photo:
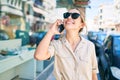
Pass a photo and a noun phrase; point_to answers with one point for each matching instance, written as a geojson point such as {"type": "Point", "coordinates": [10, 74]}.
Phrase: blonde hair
{"type": "Point", "coordinates": [82, 15]}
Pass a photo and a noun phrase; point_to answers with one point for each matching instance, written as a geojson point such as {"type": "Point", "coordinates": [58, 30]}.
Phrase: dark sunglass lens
{"type": "Point", "coordinates": [66, 15]}
{"type": "Point", "coordinates": [75, 15]}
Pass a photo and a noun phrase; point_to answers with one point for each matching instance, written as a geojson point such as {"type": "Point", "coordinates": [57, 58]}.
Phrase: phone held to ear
{"type": "Point", "coordinates": [61, 28]}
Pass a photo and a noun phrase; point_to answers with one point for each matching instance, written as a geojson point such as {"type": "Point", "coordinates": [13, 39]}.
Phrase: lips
{"type": "Point", "coordinates": [70, 22]}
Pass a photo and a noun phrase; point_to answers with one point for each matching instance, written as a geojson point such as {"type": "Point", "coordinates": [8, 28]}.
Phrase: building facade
{"type": "Point", "coordinates": [106, 17]}
{"type": "Point", "coordinates": [117, 14]}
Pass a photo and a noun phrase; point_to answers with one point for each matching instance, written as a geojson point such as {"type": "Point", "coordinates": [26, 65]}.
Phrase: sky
{"type": "Point", "coordinates": [91, 12]}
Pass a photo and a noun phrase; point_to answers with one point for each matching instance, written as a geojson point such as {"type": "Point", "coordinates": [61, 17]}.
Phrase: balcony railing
{"type": "Point", "coordinates": [12, 3]}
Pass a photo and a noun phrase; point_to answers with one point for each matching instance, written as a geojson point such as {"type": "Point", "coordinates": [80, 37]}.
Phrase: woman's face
{"type": "Point", "coordinates": [71, 23]}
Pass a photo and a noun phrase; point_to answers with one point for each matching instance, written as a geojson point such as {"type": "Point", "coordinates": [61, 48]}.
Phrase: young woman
{"type": "Point", "coordinates": [74, 55]}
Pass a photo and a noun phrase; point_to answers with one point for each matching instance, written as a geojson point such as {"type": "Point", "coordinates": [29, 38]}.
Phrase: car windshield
{"type": "Point", "coordinates": [101, 37]}
{"type": "Point", "coordinates": [117, 43]}
{"type": "Point", "coordinates": [94, 33]}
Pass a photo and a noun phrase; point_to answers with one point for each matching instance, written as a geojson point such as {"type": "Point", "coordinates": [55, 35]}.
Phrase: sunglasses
{"type": "Point", "coordinates": [73, 15]}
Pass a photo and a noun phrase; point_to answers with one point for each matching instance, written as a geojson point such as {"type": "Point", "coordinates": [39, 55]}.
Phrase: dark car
{"type": "Point", "coordinates": [99, 41]}
{"type": "Point", "coordinates": [56, 36]}
{"type": "Point", "coordinates": [92, 35]}
{"type": "Point", "coordinates": [39, 36]}
{"type": "Point", "coordinates": [110, 57]}
{"type": "Point", "coordinates": [24, 35]}
{"type": "Point", "coordinates": [100, 37]}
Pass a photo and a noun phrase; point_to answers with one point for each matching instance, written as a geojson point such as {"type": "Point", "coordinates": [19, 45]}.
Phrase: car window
{"type": "Point", "coordinates": [109, 45]}
{"type": "Point", "coordinates": [117, 43]}
{"type": "Point", "coordinates": [101, 37]}
{"type": "Point", "coordinates": [107, 41]}
{"type": "Point", "coordinates": [94, 33]}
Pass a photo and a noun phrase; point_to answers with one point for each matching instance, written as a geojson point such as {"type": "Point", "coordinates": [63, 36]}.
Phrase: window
{"type": "Point", "coordinates": [101, 10]}
{"type": "Point", "coordinates": [116, 44]}
{"type": "Point", "coordinates": [108, 42]}
{"type": "Point", "coordinates": [101, 17]}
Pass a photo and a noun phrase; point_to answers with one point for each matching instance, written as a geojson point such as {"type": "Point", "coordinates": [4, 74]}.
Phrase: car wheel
{"type": "Point", "coordinates": [106, 74]}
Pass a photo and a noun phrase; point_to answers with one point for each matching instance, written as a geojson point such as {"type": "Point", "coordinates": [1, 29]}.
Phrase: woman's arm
{"type": "Point", "coordinates": [94, 63]}
{"type": "Point", "coordinates": [41, 52]}
{"type": "Point", "coordinates": [94, 75]}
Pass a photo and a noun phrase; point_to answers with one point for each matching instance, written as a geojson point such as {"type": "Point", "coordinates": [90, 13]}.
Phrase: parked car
{"type": "Point", "coordinates": [92, 35]}
{"type": "Point", "coordinates": [110, 57]}
{"type": "Point", "coordinates": [56, 37]}
{"type": "Point", "coordinates": [100, 37]}
{"type": "Point", "coordinates": [99, 41]}
{"type": "Point", "coordinates": [24, 35]}
{"type": "Point", "coordinates": [39, 36]}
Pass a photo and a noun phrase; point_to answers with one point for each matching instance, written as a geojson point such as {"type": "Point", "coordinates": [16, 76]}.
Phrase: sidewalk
{"type": "Point", "coordinates": [46, 74]}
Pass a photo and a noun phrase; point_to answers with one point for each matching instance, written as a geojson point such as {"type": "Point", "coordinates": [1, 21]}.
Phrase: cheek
{"type": "Point", "coordinates": [78, 23]}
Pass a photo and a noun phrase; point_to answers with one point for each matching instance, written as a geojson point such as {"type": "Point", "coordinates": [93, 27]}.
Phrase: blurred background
{"type": "Point", "coordinates": [23, 24]}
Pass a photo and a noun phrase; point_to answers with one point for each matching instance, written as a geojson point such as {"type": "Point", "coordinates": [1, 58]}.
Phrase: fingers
{"type": "Point", "coordinates": [58, 22]}
{"type": "Point", "coordinates": [54, 26]}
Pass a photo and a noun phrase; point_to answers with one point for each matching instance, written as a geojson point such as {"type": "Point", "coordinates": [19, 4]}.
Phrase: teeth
{"type": "Point", "coordinates": [70, 22]}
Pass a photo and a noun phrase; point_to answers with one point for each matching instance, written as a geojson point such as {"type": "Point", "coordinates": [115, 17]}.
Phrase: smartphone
{"type": "Point", "coordinates": [61, 28]}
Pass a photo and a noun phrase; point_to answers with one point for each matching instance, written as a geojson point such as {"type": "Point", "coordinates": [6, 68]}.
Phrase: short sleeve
{"type": "Point", "coordinates": [94, 60]}
{"type": "Point", "coordinates": [51, 50]}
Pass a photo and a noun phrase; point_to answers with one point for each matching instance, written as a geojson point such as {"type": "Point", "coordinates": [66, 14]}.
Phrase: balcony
{"type": "Point", "coordinates": [12, 6]}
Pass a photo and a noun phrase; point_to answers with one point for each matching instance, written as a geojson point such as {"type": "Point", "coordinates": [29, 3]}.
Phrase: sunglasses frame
{"type": "Point", "coordinates": [73, 15]}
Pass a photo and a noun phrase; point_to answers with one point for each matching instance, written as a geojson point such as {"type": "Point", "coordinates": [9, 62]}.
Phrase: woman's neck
{"type": "Point", "coordinates": [73, 37]}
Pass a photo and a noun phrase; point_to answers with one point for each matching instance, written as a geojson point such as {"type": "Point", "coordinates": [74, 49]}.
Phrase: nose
{"type": "Point", "coordinates": [70, 16]}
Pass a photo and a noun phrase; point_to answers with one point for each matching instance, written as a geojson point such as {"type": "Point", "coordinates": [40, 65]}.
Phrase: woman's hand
{"type": "Point", "coordinates": [41, 52]}
{"type": "Point", "coordinates": [54, 26]}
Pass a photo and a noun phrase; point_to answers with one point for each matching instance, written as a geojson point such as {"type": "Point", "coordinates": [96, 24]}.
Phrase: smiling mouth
{"type": "Point", "coordinates": [70, 22]}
